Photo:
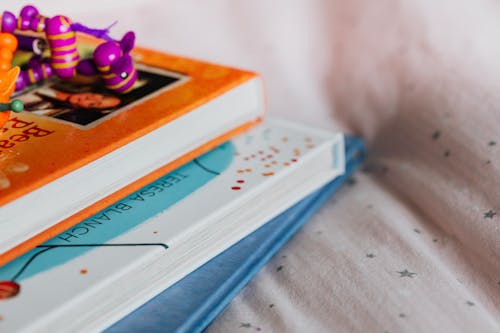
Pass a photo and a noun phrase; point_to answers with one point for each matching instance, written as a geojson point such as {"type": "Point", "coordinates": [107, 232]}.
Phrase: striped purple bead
{"type": "Point", "coordinates": [37, 23]}
{"type": "Point", "coordinates": [121, 84]}
{"type": "Point", "coordinates": [36, 72]}
{"type": "Point", "coordinates": [62, 42]}
{"type": "Point", "coordinates": [117, 69]}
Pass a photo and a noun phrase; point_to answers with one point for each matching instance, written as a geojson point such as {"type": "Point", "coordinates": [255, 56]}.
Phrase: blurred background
{"type": "Point", "coordinates": [419, 80]}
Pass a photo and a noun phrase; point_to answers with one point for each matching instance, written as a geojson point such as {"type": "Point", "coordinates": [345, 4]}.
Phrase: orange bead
{"type": "Point", "coordinates": [8, 41]}
{"type": "Point", "coordinates": [4, 116]}
{"type": "Point", "coordinates": [4, 65]}
{"type": "Point", "coordinates": [6, 54]}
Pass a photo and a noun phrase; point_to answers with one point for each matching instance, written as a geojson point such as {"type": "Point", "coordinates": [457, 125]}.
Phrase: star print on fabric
{"type": "Point", "coordinates": [248, 325]}
{"type": "Point", "coordinates": [279, 268]}
{"type": "Point", "coordinates": [492, 143]}
{"type": "Point", "coordinates": [402, 315]}
{"type": "Point", "coordinates": [489, 214]}
{"type": "Point", "coordinates": [469, 303]}
{"type": "Point", "coordinates": [436, 135]}
{"type": "Point", "coordinates": [370, 255]}
{"type": "Point", "coordinates": [406, 273]}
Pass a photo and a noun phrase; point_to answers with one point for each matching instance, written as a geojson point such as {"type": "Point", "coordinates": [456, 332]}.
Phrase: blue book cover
{"type": "Point", "coordinates": [193, 302]}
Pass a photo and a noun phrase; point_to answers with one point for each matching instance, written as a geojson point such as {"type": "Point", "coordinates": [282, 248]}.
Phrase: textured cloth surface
{"type": "Point", "coordinates": [414, 244]}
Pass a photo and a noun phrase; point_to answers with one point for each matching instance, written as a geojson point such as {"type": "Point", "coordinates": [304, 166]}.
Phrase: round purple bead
{"type": "Point", "coordinates": [106, 54]}
{"type": "Point", "coordinates": [20, 83]}
{"type": "Point", "coordinates": [38, 24]}
{"type": "Point", "coordinates": [26, 15]}
{"type": "Point", "coordinates": [9, 22]}
{"type": "Point", "coordinates": [28, 12]}
{"type": "Point", "coordinates": [86, 67]}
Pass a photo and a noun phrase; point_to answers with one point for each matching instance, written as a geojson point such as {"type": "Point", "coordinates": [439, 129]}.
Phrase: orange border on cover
{"type": "Point", "coordinates": [120, 194]}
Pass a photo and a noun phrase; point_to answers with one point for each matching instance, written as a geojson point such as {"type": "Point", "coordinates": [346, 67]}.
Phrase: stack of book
{"type": "Point", "coordinates": [172, 195]}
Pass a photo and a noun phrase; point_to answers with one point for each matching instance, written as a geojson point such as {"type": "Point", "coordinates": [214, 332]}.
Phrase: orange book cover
{"type": "Point", "coordinates": [61, 129]}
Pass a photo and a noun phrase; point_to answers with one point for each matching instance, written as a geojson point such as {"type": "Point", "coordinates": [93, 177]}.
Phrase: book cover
{"type": "Point", "coordinates": [56, 284]}
{"type": "Point", "coordinates": [193, 302]}
{"type": "Point", "coordinates": [67, 125]}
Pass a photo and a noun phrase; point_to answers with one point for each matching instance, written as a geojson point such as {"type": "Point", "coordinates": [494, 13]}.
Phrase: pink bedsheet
{"type": "Point", "coordinates": [414, 244]}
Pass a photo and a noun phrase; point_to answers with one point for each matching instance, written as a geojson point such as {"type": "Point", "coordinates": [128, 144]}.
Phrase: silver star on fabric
{"type": "Point", "coordinates": [489, 214]}
{"type": "Point", "coordinates": [406, 273]}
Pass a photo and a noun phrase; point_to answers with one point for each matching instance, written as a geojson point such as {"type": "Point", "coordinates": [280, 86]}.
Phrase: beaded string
{"type": "Point", "coordinates": [111, 60]}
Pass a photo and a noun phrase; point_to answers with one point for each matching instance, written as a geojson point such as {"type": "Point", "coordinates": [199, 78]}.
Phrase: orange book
{"type": "Point", "coordinates": [78, 147]}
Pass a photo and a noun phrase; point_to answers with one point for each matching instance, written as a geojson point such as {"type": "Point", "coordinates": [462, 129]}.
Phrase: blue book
{"type": "Point", "coordinates": [193, 302]}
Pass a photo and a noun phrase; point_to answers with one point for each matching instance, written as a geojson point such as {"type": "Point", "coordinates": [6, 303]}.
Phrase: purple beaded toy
{"type": "Point", "coordinates": [111, 59]}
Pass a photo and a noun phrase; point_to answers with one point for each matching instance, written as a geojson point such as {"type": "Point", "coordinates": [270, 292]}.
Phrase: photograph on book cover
{"type": "Point", "coordinates": [84, 102]}
{"type": "Point", "coordinates": [132, 232]}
